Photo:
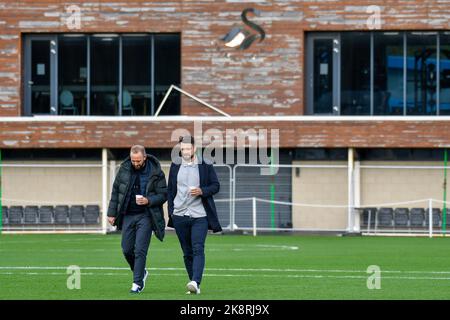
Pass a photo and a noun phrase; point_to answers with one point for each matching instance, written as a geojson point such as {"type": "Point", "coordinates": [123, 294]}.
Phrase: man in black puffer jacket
{"type": "Point", "coordinates": [139, 192]}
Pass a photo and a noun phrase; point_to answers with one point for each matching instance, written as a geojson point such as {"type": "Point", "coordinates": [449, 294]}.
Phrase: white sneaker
{"type": "Point", "coordinates": [193, 288]}
{"type": "Point", "coordinates": [135, 289]}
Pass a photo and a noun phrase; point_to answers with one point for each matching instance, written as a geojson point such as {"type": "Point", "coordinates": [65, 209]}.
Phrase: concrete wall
{"type": "Point", "coordinates": [400, 185]}
{"type": "Point", "coordinates": [320, 187]}
{"type": "Point", "coordinates": [325, 187]}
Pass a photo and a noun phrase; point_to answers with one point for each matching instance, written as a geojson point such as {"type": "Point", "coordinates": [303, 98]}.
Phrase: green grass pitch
{"type": "Point", "coordinates": [279, 267]}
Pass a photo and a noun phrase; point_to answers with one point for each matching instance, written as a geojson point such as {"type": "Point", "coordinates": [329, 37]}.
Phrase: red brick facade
{"type": "Point", "coordinates": [266, 79]}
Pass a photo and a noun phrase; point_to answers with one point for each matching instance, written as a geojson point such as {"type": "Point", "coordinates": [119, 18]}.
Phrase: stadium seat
{"type": "Point", "coordinates": [385, 217]}
{"type": "Point", "coordinates": [61, 214]}
{"type": "Point", "coordinates": [365, 217]}
{"type": "Point", "coordinates": [91, 215]}
{"type": "Point", "coordinates": [15, 214]}
{"type": "Point", "coordinates": [401, 217]}
{"type": "Point", "coordinates": [46, 215]}
{"type": "Point", "coordinates": [4, 215]}
{"type": "Point", "coordinates": [436, 217]}
{"type": "Point", "coordinates": [76, 214]}
{"type": "Point", "coordinates": [30, 215]}
{"type": "Point", "coordinates": [416, 217]}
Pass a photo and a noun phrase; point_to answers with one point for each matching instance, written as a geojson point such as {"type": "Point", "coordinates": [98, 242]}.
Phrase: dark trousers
{"type": "Point", "coordinates": [136, 234]}
{"type": "Point", "coordinates": [192, 233]}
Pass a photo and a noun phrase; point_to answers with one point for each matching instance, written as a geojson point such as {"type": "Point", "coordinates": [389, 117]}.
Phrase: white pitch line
{"type": "Point", "coordinates": [231, 275]}
{"type": "Point", "coordinates": [224, 269]}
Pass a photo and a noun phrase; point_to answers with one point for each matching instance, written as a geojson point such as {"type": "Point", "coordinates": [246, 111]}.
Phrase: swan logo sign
{"type": "Point", "coordinates": [240, 37]}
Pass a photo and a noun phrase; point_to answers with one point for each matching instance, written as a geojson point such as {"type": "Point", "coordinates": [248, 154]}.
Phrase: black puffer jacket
{"type": "Point", "coordinates": [156, 193]}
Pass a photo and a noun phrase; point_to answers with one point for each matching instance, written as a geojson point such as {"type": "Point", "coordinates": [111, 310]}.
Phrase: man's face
{"type": "Point", "coordinates": [187, 151]}
{"type": "Point", "coordinates": [137, 160]}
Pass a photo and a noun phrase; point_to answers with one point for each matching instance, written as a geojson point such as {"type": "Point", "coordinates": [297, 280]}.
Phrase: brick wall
{"type": "Point", "coordinates": [266, 79]}
{"type": "Point", "coordinates": [157, 134]}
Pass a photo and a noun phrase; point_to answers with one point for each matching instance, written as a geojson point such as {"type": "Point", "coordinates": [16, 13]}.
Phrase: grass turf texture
{"type": "Point", "coordinates": [279, 267]}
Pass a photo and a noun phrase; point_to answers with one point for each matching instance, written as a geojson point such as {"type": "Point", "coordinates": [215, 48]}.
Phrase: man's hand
{"type": "Point", "coordinates": [196, 192]}
{"type": "Point", "coordinates": [142, 201]}
{"type": "Point", "coordinates": [111, 220]}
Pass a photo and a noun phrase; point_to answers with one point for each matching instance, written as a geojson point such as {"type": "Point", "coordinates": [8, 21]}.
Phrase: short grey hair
{"type": "Point", "coordinates": [138, 149]}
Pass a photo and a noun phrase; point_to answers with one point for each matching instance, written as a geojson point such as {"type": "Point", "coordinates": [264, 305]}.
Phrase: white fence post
{"type": "Point", "coordinates": [254, 216]}
{"type": "Point", "coordinates": [104, 189]}
{"type": "Point", "coordinates": [430, 218]}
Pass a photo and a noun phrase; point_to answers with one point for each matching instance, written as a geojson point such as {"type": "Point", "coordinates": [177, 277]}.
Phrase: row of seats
{"type": "Point", "coordinates": [80, 215]}
{"type": "Point", "coordinates": [402, 217]}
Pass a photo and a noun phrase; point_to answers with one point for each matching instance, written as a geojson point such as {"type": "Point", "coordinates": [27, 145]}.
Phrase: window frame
{"type": "Point", "coordinates": [54, 40]}
{"type": "Point", "coordinates": [309, 74]}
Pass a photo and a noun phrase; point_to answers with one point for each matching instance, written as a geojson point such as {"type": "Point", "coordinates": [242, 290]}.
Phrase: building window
{"type": "Point", "coordinates": [355, 73]}
{"type": "Point", "coordinates": [378, 73]}
{"type": "Point", "coordinates": [388, 73]}
{"type": "Point", "coordinates": [101, 74]}
{"type": "Point", "coordinates": [72, 75]}
{"type": "Point", "coordinates": [444, 73]}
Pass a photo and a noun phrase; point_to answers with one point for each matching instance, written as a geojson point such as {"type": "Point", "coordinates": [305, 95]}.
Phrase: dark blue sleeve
{"type": "Point", "coordinates": [213, 185]}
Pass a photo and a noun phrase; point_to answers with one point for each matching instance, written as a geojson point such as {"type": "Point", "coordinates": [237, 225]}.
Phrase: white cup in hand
{"type": "Point", "coordinates": [139, 197]}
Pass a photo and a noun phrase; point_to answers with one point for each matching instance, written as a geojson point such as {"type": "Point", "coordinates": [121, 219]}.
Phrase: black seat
{"type": "Point", "coordinates": [436, 217]}
{"type": "Point", "coordinates": [91, 215]}
{"type": "Point", "coordinates": [385, 217]}
{"type": "Point", "coordinates": [30, 215]}
{"type": "Point", "coordinates": [416, 217]}
{"type": "Point", "coordinates": [76, 214]}
{"type": "Point", "coordinates": [365, 216]}
{"type": "Point", "coordinates": [401, 217]}
{"type": "Point", "coordinates": [4, 215]}
{"type": "Point", "coordinates": [61, 214]}
{"type": "Point", "coordinates": [46, 215]}
{"type": "Point", "coordinates": [15, 214]}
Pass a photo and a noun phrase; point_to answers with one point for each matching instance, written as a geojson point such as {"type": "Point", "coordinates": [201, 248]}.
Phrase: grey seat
{"type": "Point", "coordinates": [416, 217]}
{"type": "Point", "coordinates": [46, 215]}
{"type": "Point", "coordinates": [15, 214]}
{"type": "Point", "coordinates": [66, 101]}
{"type": "Point", "coordinates": [76, 214]}
{"type": "Point", "coordinates": [61, 214]}
{"type": "Point", "coordinates": [436, 212]}
{"type": "Point", "coordinates": [4, 215]}
{"type": "Point", "coordinates": [401, 217]}
{"type": "Point", "coordinates": [30, 215]}
{"type": "Point", "coordinates": [385, 217]}
{"type": "Point", "coordinates": [365, 216]}
{"type": "Point", "coordinates": [91, 215]}
{"type": "Point", "coordinates": [126, 103]}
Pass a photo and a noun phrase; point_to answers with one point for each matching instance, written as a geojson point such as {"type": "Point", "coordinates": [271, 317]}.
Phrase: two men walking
{"type": "Point", "coordinates": [140, 190]}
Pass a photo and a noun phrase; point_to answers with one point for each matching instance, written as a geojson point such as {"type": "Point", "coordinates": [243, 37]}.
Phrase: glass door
{"type": "Point", "coordinates": [40, 75]}
{"type": "Point", "coordinates": [322, 70]}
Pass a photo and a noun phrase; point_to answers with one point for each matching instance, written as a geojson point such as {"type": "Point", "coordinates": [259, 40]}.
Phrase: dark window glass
{"type": "Point", "coordinates": [444, 71]}
{"type": "Point", "coordinates": [421, 73]}
{"type": "Point", "coordinates": [72, 75]}
{"type": "Point", "coordinates": [323, 76]}
{"type": "Point", "coordinates": [355, 73]}
{"type": "Point", "coordinates": [104, 75]}
{"type": "Point", "coordinates": [388, 73]}
{"type": "Point", "coordinates": [136, 95]}
{"type": "Point", "coordinates": [40, 77]}
{"type": "Point", "coordinates": [167, 72]}
{"type": "Point", "coordinates": [375, 154]}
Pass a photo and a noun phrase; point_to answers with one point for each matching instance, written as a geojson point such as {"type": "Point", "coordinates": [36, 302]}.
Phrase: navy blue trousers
{"type": "Point", "coordinates": [192, 233]}
{"type": "Point", "coordinates": [136, 234]}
